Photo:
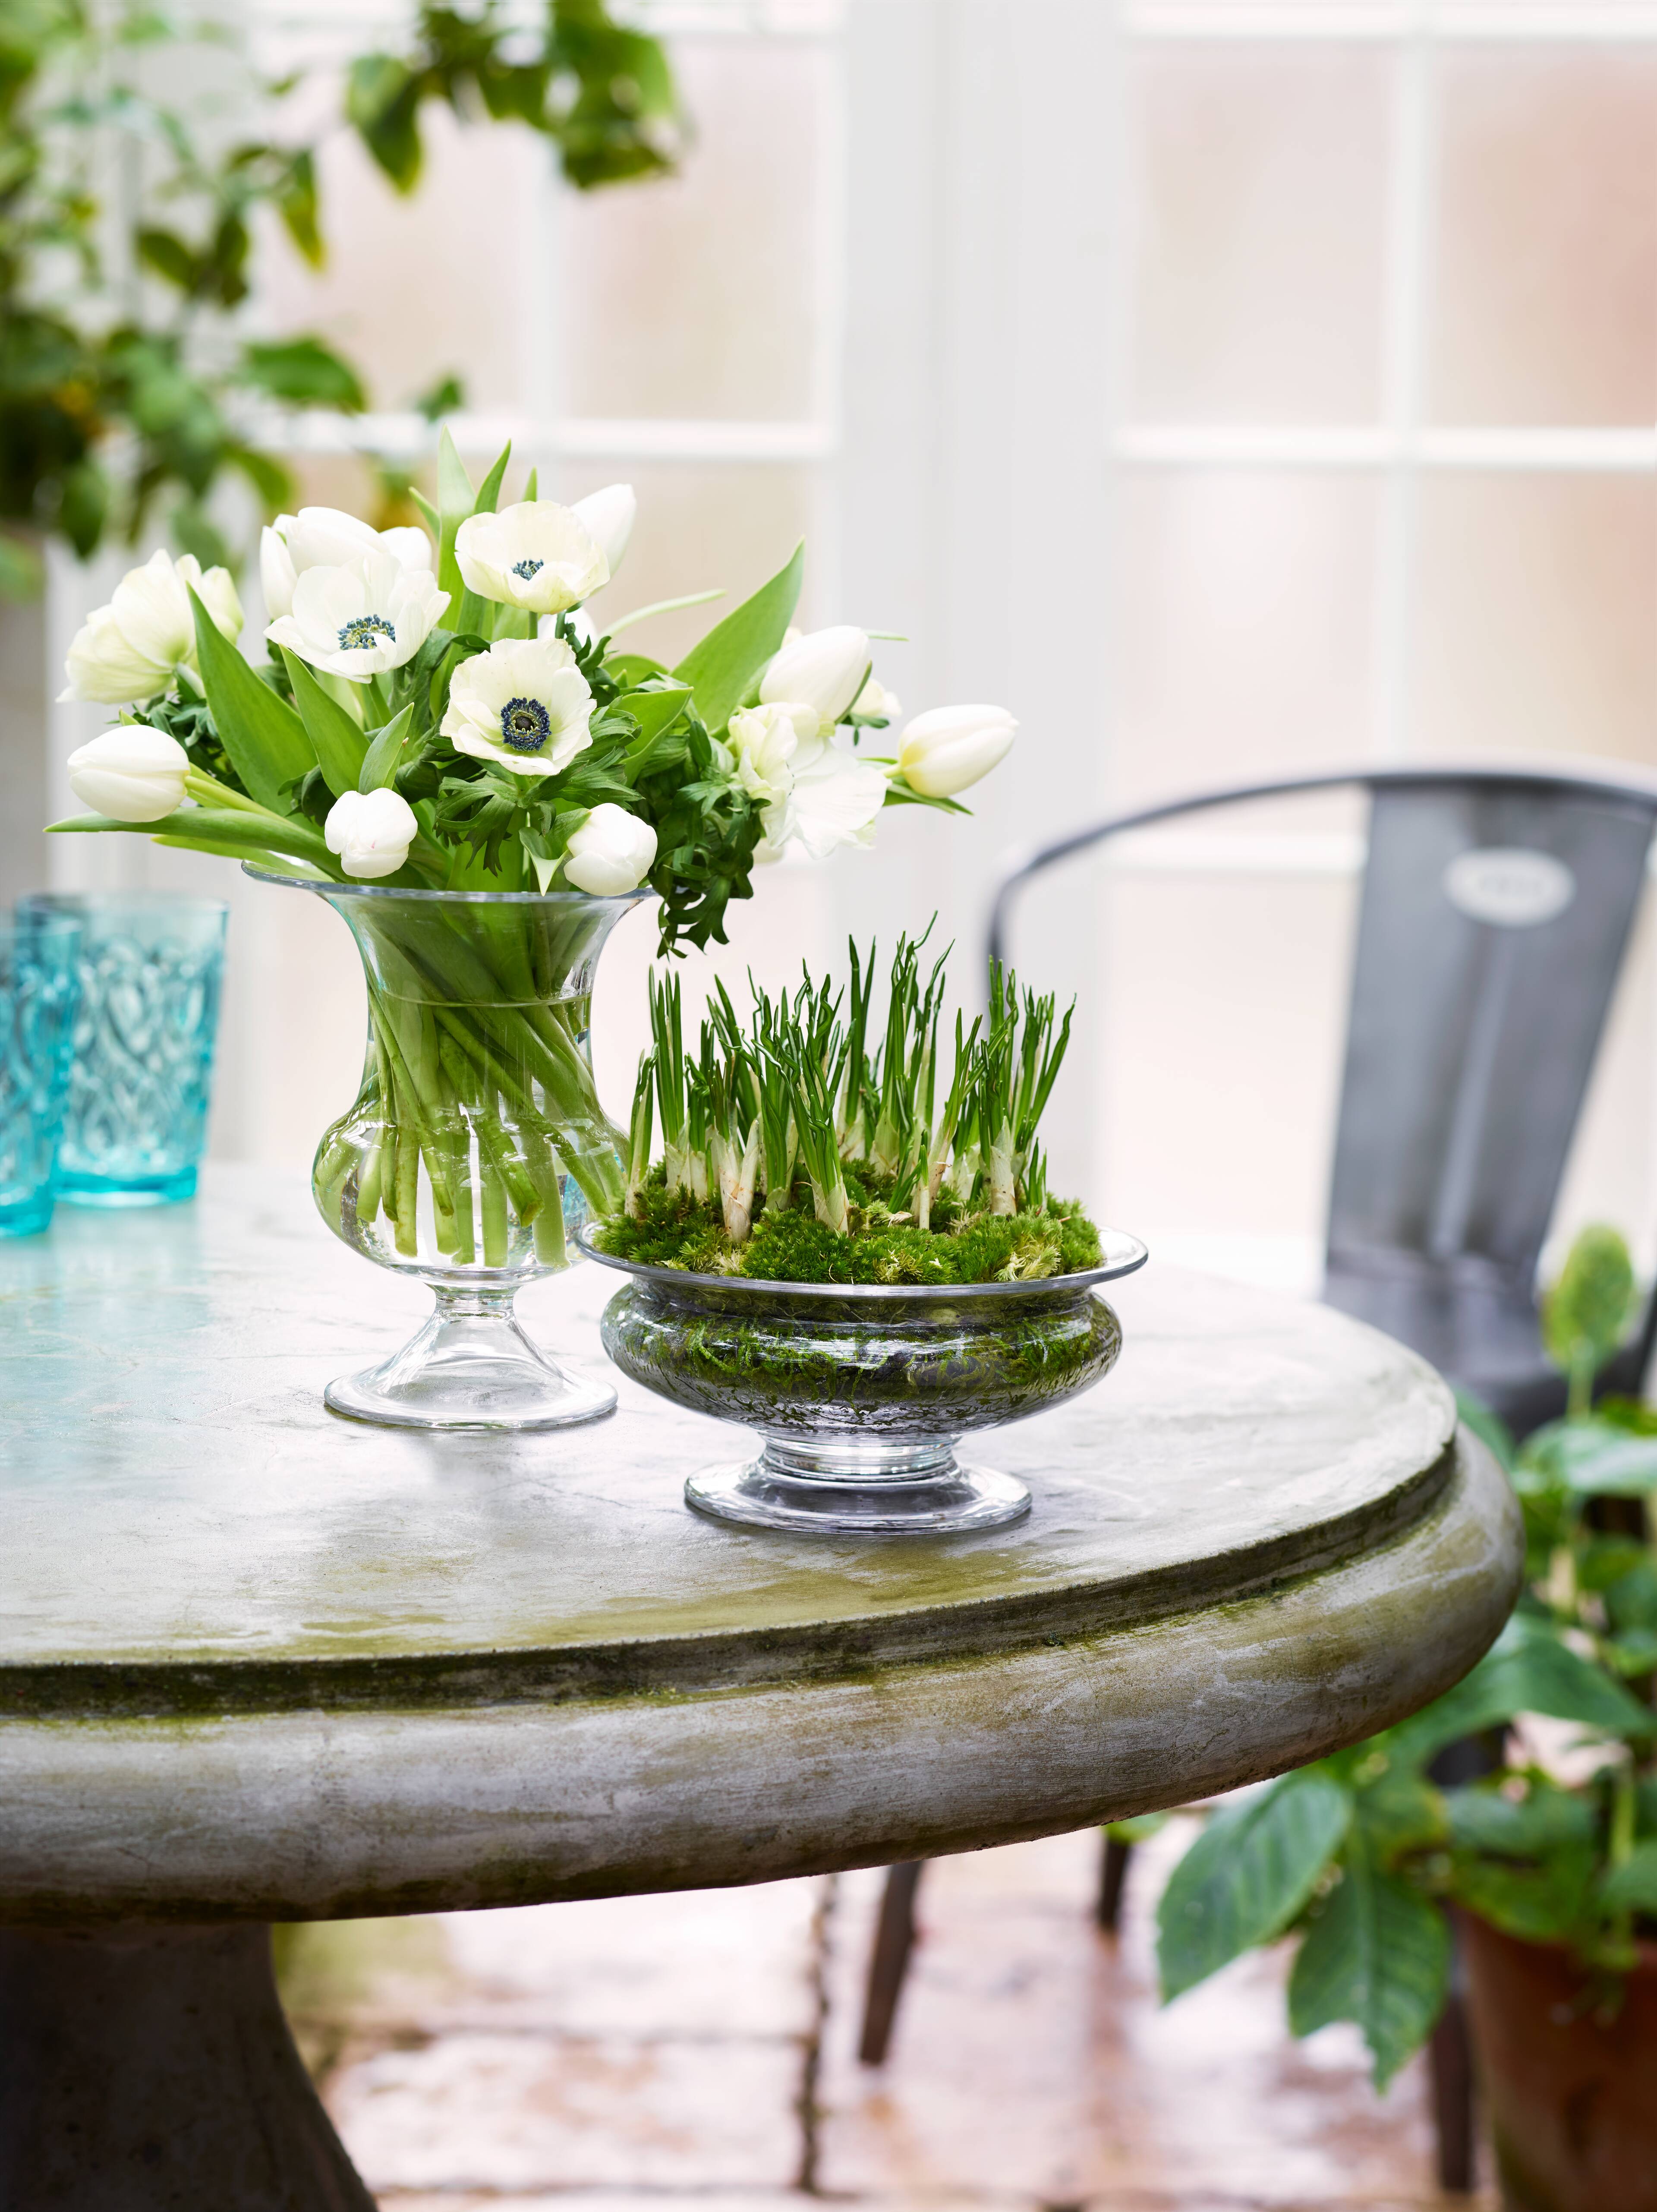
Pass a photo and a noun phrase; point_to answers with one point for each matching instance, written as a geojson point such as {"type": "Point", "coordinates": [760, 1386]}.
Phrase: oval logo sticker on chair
{"type": "Point", "coordinates": [1508, 886]}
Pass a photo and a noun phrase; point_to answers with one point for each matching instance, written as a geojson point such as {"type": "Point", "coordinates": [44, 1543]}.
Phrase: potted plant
{"type": "Point", "coordinates": [1548, 1863]}
{"type": "Point", "coordinates": [853, 1258]}
{"type": "Point", "coordinates": [443, 746]}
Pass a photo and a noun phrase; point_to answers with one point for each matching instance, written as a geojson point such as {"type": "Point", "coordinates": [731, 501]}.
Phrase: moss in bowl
{"type": "Point", "coordinates": [860, 1269]}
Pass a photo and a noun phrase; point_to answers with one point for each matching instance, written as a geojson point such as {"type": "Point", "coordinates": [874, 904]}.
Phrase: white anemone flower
{"type": "Point", "coordinates": [524, 704]}
{"type": "Point", "coordinates": [833, 801]}
{"type": "Point", "coordinates": [537, 555]}
{"type": "Point", "coordinates": [326, 538]}
{"type": "Point", "coordinates": [134, 647]}
{"type": "Point", "coordinates": [362, 617]}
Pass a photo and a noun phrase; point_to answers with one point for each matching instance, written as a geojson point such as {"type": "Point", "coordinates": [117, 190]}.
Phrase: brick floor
{"type": "Point", "coordinates": [697, 2054]}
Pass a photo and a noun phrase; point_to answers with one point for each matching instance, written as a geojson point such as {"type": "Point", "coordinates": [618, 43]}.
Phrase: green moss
{"type": "Point", "coordinates": [793, 1246]}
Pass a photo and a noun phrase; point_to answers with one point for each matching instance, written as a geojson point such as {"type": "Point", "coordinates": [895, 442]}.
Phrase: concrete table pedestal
{"type": "Point", "coordinates": [258, 1663]}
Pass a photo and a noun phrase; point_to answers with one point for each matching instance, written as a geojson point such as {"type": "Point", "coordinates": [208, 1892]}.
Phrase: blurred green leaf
{"type": "Point", "coordinates": [1527, 1670]}
{"type": "Point", "coordinates": [1247, 1875]}
{"type": "Point", "coordinates": [382, 101]}
{"type": "Point", "coordinates": [1632, 1886]}
{"type": "Point", "coordinates": [304, 372]}
{"type": "Point", "coordinates": [296, 203]}
{"type": "Point", "coordinates": [1484, 1816]}
{"type": "Point", "coordinates": [1376, 1953]}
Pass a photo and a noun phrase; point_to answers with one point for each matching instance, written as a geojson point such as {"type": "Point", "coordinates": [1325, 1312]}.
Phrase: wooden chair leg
{"type": "Point", "coordinates": [895, 1936]}
{"type": "Point", "coordinates": [1451, 2063]}
{"type": "Point", "coordinates": [1112, 1872]}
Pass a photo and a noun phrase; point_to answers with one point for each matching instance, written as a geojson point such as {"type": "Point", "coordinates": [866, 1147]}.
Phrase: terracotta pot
{"type": "Point", "coordinates": [1571, 2087]}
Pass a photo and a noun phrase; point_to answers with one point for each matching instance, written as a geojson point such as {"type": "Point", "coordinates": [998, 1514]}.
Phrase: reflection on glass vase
{"type": "Point", "coordinates": [476, 1147]}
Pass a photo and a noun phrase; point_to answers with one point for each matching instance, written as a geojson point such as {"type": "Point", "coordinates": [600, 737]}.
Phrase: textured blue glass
{"type": "Point", "coordinates": [39, 991]}
{"type": "Point", "coordinates": [151, 968]}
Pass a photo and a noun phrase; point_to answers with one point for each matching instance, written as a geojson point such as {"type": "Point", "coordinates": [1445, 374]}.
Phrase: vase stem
{"type": "Point", "coordinates": [470, 1367]}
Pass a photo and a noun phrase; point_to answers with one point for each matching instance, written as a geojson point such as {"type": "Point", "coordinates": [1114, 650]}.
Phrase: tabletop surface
{"type": "Point", "coordinates": [176, 1494]}
{"type": "Point", "coordinates": [185, 1521]}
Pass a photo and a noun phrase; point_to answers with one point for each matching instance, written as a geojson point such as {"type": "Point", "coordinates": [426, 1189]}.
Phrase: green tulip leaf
{"type": "Point", "coordinates": [1378, 1953]}
{"type": "Point", "coordinates": [340, 744]}
{"type": "Point", "coordinates": [455, 496]}
{"type": "Point", "coordinates": [1247, 1875]}
{"type": "Point", "coordinates": [723, 665]}
{"type": "Point", "coordinates": [264, 739]}
{"type": "Point", "coordinates": [384, 755]}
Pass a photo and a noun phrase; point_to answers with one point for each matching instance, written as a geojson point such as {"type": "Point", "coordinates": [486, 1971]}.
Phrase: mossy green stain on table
{"type": "Point", "coordinates": [321, 1667]}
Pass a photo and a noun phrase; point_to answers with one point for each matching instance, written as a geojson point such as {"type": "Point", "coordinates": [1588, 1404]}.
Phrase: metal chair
{"type": "Point", "coordinates": [1495, 912]}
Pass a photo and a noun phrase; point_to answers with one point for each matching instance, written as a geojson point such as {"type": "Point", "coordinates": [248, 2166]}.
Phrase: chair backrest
{"type": "Point", "coordinates": [1497, 908]}
{"type": "Point", "coordinates": [1494, 921]}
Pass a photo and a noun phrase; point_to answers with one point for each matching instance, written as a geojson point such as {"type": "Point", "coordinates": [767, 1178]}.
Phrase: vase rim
{"type": "Point", "coordinates": [620, 900]}
{"type": "Point", "coordinates": [1124, 1255]}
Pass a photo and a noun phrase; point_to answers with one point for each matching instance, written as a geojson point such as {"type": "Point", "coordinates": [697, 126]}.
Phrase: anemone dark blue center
{"type": "Point", "coordinates": [526, 569]}
{"type": "Point", "coordinates": [526, 725]}
{"type": "Point", "coordinates": [361, 631]}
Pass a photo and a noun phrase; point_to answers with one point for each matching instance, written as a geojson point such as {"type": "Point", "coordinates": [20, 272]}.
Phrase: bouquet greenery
{"type": "Point", "coordinates": [439, 714]}
{"type": "Point", "coordinates": [862, 1166]}
{"type": "Point", "coordinates": [1356, 1854]}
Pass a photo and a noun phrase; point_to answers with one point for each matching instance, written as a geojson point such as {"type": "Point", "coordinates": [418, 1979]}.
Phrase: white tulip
{"type": "Point", "coordinates": [537, 555]}
{"type": "Point", "coordinates": [524, 703]}
{"type": "Point", "coordinates": [833, 801]}
{"type": "Point", "coordinates": [371, 831]}
{"type": "Point", "coordinates": [763, 742]}
{"type": "Point", "coordinates": [326, 538]}
{"type": "Point", "coordinates": [825, 669]}
{"type": "Point", "coordinates": [949, 748]}
{"type": "Point", "coordinates": [612, 852]}
{"type": "Point", "coordinates": [130, 774]}
{"type": "Point", "coordinates": [134, 647]}
{"type": "Point", "coordinates": [359, 619]}
{"type": "Point", "coordinates": [608, 517]}
{"type": "Point", "coordinates": [875, 704]}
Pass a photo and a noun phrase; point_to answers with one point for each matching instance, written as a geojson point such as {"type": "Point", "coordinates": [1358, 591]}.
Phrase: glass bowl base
{"type": "Point", "coordinates": [470, 1367]}
{"type": "Point", "coordinates": [949, 1500]}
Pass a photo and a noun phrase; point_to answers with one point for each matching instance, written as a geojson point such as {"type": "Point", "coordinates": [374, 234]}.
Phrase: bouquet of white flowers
{"type": "Point", "coordinates": [446, 747]}
{"type": "Point", "coordinates": [446, 716]}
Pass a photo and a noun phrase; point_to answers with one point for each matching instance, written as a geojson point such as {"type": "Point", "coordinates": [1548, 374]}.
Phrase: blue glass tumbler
{"type": "Point", "coordinates": [40, 987]}
{"type": "Point", "coordinates": [151, 966]}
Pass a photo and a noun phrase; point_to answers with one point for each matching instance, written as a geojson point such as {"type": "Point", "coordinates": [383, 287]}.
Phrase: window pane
{"type": "Point", "coordinates": [700, 524]}
{"type": "Point", "coordinates": [1218, 1062]}
{"type": "Point", "coordinates": [1546, 293]}
{"type": "Point", "coordinates": [698, 296]}
{"type": "Point", "coordinates": [1536, 617]}
{"type": "Point", "coordinates": [1244, 639]}
{"type": "Point", "coordinates": [1258, 182]}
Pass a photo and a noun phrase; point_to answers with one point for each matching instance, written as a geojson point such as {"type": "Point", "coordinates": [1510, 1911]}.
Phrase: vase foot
{"type": "Point", "coordinates": [785, 1489]}
{"type": "Point", "coordinates": [470, 1367]}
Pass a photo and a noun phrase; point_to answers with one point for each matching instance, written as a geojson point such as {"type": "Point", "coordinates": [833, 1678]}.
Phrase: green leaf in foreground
{"type": "Point", "coordinates": [338, 741]}
{"type": "Point", "coordinates": [384, 756]}
{"type": "Point", "coordinates": [263, 736]}
{"type": "Point", "coordinates": [1378, 1953]}
{"type": "Point", "coordinates": [721, 667]}
{"type": "Point", "coordinates": [1247, 1875]}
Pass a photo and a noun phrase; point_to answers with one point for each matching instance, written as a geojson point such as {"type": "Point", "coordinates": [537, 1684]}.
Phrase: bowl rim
{"type": "Point", "coordinates": [1131, 1254]}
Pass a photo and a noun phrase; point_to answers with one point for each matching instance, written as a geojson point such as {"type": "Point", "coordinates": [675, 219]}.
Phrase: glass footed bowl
{"type": "Point", "coordinates": [860, 1392]}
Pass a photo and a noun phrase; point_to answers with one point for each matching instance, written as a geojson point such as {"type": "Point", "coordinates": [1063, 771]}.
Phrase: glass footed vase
{"type": "Point", "coordinates": [476, 1147]}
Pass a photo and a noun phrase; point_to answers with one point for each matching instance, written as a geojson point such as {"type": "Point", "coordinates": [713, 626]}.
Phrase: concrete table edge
{"type": "Point", "coordinates": [653, 1785]}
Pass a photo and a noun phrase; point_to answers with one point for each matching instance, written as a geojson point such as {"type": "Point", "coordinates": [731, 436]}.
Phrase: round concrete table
{"type": "Point", "coordinates": [259, 1663]}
